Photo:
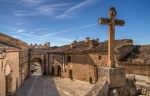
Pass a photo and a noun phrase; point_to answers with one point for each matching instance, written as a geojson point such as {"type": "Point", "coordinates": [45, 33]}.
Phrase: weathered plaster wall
{"type": "Point", "coordinates": [12, 59]}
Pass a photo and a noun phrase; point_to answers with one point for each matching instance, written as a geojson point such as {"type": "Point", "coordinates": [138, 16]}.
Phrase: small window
{"type": "Point", "coordinates": [99, 57]}
{"type": "Point", "coordinates": [69, 59]}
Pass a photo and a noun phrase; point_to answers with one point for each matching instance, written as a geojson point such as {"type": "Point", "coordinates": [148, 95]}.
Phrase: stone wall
{"type": "Point", "coordinates": [12, 41]}
{"type": "Point", "coordinates": [84, 66]}
{"type": "Point", "coordinates": [23, 63]}
{"type": "Point", "coordinates": [40, 46]}
{"type": "Point", "coordinates": [22, 57]}
{"type": "Point", "coordinates": [13, 79]}
{"type": "Point", "coordinates": [136, 69]}
{"type": "Point", "coordinates": [23, 54]}
{"type": "Point", "coordinates": [138, 84]}
{"type": "Point", "coordinates": [101, 88]}
{"type": "Point", "coordinates": [98, 59]}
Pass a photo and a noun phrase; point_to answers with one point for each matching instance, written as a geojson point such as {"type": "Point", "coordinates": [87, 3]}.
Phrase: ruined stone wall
{"type": "Point", "coordinates": [101, 88]}
{"type": "Point", "coordinates": [138, 85]}
{"type": "Point", "coordinates": [136, 69]}
{"type": "Point", "coordinates": [12, 59]}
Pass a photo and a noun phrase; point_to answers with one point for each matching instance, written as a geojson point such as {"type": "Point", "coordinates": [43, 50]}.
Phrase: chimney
{"type": "Point", "coordinates": [87, 39]}
{"type": "Point", "coordinates": [35, 45]}
{"type": "Point", "coordinates": [97, 40]}
{"type": "Point", "coordinates": [74, 42]}
{"type": "Point", "coordinates": [45, 45]}
{"type": "Point", "coordinates": [71, 45]}
{"type": "Point", "coordinates": [93, 43]}
{"type": "Point", "coordinates": [48, 44]}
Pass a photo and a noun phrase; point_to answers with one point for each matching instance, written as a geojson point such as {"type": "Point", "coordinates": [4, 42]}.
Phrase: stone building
{"type": "Point", "coordinates": [137, 61]}
{"type": "Point", "coordinates": [82, 59]}
{"type": "Point", "coordinates": [14, 68]}
{"type": "Point", "coordinates": [78, 59]}
{"type": "Point", "coordinates": [19, 62]}
{"type": "Point", "coordinates": [37, 58]}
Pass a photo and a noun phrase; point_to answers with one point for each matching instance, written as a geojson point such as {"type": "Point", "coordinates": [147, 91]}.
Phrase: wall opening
{"type": "Point", "coordinates": [70, 73]}
{"type": "Point", "coordinates": [96, 73]}
{"type": "Point", "coordinates": [8, 80]}
{"type": "Point", "coordinates": [36, 66]}
{"type": "Point", "coordinates": [52, 71]}
{"type": "Point", "coordinates": [58, 70]}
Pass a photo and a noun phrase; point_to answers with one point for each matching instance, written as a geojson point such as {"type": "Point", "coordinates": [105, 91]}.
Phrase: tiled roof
{"type": "Point", "coordinates": [139, 55]}
{"type": "Point", "coordinates": [8, 47]}
{"type": "Point", "coordinates": [103, 46]}
{"type": "Point", "coordinates": [11, 41]}
{"type": "Point", "coordinates": [91, 46]}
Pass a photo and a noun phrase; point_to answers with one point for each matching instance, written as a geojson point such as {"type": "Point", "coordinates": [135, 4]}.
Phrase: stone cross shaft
{"type": "Point", "coordinates": [111, 21]}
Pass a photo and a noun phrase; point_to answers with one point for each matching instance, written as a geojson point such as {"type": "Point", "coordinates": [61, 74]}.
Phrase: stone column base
{"type": "Point", "coordinates": [115, 76]}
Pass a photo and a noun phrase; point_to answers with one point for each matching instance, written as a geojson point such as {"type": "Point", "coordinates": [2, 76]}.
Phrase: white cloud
{"type": "Point", "coordinates": [31, 2]}
{"type": "Point", "coordinates": [64, 39]}
{"type": "Point", "coordinates": [45, 10]}
{"type": "Point", "coordinates": [19, 23]}
{"type": "Point", "coordinates": [18, 11]}
{"type": "Point", "coordinates": [71, 29]}
{"type": "Point", "coordinates": [21, 30]}
{"type": "Point", "coordinates": [51, 8]}
{"type": "Point", "coordinates": [25, 14]}
{"type": "Point", "coordinates": [39, 29]}
{"type": "Point", "coordinates": [17, 36]}
{"type": "Point", "coordinates": [68, 13]}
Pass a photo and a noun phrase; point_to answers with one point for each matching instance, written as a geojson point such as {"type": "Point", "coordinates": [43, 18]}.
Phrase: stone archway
{"type": "Point", "coordinates": [8, 78]}
{"type": "Point", "coordinates": [36, 66]}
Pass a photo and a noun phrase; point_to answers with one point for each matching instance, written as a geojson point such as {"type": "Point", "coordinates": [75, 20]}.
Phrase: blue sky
{"type": "Point", "coordinates": [62, 21]}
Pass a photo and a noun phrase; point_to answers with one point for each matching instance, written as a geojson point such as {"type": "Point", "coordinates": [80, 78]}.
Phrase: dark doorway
{"type": "Point", "coordinates": [70, 73]}
{"type": "Point", "coordinates": [96, 73]}
{"type": "Point", "coordinates": [52, 71]}
{"type": "Point", "coordinates": [58, 70]}
{"type": "Point", "coordinates": [8, 85]}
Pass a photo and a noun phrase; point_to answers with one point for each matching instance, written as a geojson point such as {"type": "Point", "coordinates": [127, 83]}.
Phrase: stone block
{"type": "Point", "coordinates": [140, 78]}
{"type": "Point", "coordinates": [115, 76]}
{"type": "Point", "coordinates": [130, 77]}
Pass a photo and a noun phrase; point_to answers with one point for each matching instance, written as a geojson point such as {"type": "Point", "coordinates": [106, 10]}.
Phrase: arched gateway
{"type": "Point", "coordinates": [36, 66]}
{"type": "Point", "coordinates": [8, 78]}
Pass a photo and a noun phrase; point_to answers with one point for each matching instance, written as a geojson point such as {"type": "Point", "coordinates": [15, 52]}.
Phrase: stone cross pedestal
{"type": "Point", "coordinates": [116, 76]}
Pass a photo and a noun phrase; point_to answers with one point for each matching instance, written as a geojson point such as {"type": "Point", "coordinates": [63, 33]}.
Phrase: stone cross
{"type": "Point", "coordinates": [111, 21]}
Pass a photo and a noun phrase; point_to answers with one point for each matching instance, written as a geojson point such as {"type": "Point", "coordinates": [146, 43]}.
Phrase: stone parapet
{"type": "Point", "coordinates": [101, 88]}
{"type": "Point", "coordinates": [141, 84]}
{"type": "Point", "coordinates": [115, 76]}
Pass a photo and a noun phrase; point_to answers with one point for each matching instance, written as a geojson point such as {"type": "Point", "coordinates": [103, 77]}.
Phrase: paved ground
{"type": "Point", "coordinates": [52, 86]}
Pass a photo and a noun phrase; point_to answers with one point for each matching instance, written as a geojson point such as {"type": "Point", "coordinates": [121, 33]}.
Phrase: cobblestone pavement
{"type": "Point", "coordinates": [53, 86]}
